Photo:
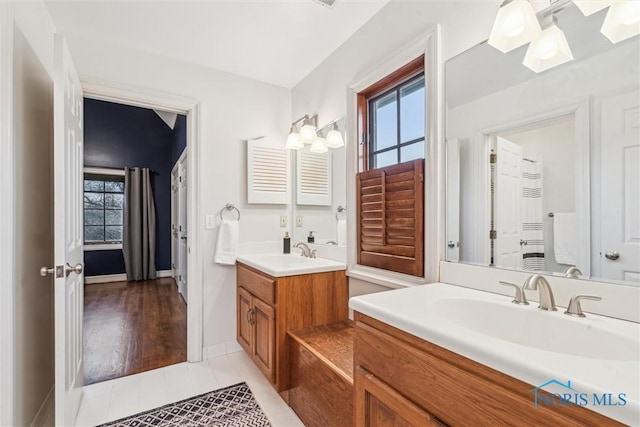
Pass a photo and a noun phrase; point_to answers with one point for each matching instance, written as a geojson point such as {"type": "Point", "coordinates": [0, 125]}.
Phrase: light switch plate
{"type": "Point", "coordinates": [298, 221]}
{"type": "Point", "coordinates": [283, 221]}
{"type": "Point", "coordinates": [209, 222]}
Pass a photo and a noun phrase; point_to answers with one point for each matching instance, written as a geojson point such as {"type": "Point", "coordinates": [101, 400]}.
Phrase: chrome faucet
{"type": "Point", "coordinates": [305, 250]}
{"type": "Point", "coordinates": [573, 272]}
{"type": "Point", "coordinates": [538, 283]}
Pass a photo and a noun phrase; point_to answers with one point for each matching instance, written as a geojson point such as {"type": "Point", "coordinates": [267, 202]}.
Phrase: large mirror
{"type": "Point", "coordinates": [543, 169]}
{"type": "Point", "coordinates": [320, 191]}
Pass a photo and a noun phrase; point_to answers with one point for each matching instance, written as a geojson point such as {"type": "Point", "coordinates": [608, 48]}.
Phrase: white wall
{"type": "Point", "coordinates": [324, 91]}
{"type": "Point", "coordinates": [234, 109]}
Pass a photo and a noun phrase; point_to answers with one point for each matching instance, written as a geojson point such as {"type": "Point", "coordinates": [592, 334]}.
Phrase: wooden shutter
{"type": "Point", "coordinates": [391, 218]}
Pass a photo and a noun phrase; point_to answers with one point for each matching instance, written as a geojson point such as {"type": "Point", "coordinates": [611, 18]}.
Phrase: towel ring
{"type": "Point", "coordinates": [229, 207]}
{"type": "Point", "coordinates": [340, 209]}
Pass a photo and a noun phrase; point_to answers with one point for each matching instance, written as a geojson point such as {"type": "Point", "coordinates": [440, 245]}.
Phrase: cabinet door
{"type": "Point", "coordinates": [264, 338]}
{"type": "Point", "coordinates": [378, 405]}
{"type": "Point", "coordinates": [244, 319]}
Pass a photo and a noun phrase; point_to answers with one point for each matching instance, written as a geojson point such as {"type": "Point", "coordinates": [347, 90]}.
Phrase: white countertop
{"type": "Point", "coordinates": [427, 312]}
{"type": "Point", "coordinates": [280, 265]}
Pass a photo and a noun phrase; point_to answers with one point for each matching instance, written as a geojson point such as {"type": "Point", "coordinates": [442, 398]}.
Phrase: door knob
{"type": "Point", "coordinates": [451, 244]}
{"type": "Point", "coordinates": [612, 255]}
{"type": "Point", "coordinates": [58, 270]}
{"type": "Point", "coordinates": [75, 269]}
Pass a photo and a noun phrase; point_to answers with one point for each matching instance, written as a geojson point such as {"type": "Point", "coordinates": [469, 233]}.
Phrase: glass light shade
{"type": "Point", "coordinates": [515, 25]}
{"type": "Point", "coordinates": [308, 134]}
{"type": "Point", "coordinates": [334, 139]}
{"type": "Point", "coordinates": [293, 141]}
{"type": "Point", "coordinates": [548, 50]}
{"type": "Point", "coordinates": [589, 7]}
{"type": "Point", "coordinates": [319, 146]}
{"type": "Point", "coordinates": [622, 21]}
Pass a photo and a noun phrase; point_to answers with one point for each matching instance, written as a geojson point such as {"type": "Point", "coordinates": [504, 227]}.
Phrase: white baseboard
{"type": "Point", "coordinates": [90, 280]}
{"type": "Point", "coordinates": [220, 349]}
{"type": "Point", "coordinates": [45, 410]}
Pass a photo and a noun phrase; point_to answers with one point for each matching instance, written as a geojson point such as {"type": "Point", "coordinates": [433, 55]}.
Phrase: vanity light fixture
{"type": "Point", "coordinates": [293, 140]}
{"type": "Point", "coordinates": [515, 25]}
{"type": "Point", "coordinates": [589, 7]}
{"type": "Point", "coordinates": [308, 131]}
{"type": "Point", "coordinates": [307, 134]}
{"type": "Point", "coordinates": [622, 20]}
{"type": "Point", "coordinates": [334, 137]}
{"type": "Point", "coordinates": [319, 145]}
{"type": "Point", "coordinates": [549, 49]}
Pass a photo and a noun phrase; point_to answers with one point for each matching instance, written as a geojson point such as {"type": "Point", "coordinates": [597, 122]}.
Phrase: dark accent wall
{"type": "Point", "coordinates": [117, 135]}
{"type": "Point", "coordinates": [179, 138]}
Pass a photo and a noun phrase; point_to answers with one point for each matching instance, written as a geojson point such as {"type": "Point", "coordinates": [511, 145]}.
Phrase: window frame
{"type": "Point", "coordinates": [371, 142]}
{"type": "Point", "coordinates": [428, 45]}
{"type": "Point", "coordinates": [104, 172]}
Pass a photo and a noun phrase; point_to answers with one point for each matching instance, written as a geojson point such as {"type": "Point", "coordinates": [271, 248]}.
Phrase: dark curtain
{"type": "Point", "coordinates": [139, 231]}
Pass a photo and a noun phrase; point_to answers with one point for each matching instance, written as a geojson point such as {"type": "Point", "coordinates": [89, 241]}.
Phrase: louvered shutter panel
{"type": "Point", "coordinates": [268, 172]}
{"type": "Point", "coordinates": [313, 178]}
{"type": "Point", "coordinates": [391, 216]}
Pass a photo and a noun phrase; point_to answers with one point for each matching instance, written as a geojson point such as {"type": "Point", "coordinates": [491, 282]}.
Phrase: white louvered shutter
{"type": "Point", "coordinates": [313, 183]}
{"type": "Point", "coordinates": [268, 172]}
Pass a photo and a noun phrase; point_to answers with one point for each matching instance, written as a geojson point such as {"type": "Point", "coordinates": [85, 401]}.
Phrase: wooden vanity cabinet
{"type": "Point", "coordinates": [402, 380]}
{"type": "Point", "coordinates": [268, 307]}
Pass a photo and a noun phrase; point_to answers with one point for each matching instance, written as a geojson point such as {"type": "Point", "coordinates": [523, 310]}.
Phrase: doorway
{"type": "Point", "coordinates": [131, 323]}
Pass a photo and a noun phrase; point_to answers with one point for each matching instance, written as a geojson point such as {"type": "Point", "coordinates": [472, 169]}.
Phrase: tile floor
{"type": "Point", "coordinates": [110, 400]}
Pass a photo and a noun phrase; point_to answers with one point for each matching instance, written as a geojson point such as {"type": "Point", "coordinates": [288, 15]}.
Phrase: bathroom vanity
{"type": "Point", "coordinates": [293, 293]}
{"type": "Point", "coordinates": [436, 355]}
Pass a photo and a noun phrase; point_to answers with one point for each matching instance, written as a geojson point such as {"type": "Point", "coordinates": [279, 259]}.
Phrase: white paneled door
{"type": "Point", "coordinates": [506, 215]}
{"type": "Point", "coordinates": [620, 188]}
{"type": "Point", "coordinates": [68, 233]}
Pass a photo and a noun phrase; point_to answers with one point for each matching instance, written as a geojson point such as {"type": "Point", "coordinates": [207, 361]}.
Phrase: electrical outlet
{"type": "Point", "coordinates": [298, 221]}
{"type": "Point", "coordinates": [283, 221]}
{"type": "Point", "coordinates": [209, 222]}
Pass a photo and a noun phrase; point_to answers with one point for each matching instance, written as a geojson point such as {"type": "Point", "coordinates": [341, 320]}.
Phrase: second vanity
{"type": "Point", "coordinates": [277, 293]}
{"type": "Point", "coordinates": [443, 354]}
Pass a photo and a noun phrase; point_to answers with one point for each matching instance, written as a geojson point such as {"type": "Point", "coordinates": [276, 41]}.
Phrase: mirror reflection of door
{"type": "Point", "coordinates": [534, 208]}
{"type": "Point", "coordinates": [620, 249]}
{"type": "Point", "coordinates": [453, 199]}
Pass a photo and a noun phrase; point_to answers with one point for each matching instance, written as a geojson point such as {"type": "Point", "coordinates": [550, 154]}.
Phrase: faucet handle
{"type": "Point", "coordinates": [575, 309]}
{"type": "Point", "coordinates": [313, 253]}
{"type": "Point", "coordinates": [520, 297]}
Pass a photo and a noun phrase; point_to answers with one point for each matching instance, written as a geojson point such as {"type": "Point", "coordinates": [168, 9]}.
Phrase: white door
{"type": "Point", "coordinates": [68, 235]}
{"type": "Point", "coordinates": [453, 200]}
{"type": "Point", "coordinates": [182, 216]}
{"type": "Point", "coordinates": [175, 237]}
{"type": "Point", "coordinates": [506, 215]}
{"type": "Point", "coordinates": [620, 188]}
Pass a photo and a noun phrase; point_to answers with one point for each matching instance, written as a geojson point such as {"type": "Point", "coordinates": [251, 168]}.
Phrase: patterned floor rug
{"type": "Point", "coordinates": [232, 406]}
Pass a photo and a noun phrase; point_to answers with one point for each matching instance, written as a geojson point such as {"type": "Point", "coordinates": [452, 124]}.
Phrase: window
{"type": "Point", "coordinates": [396, 124]}
{"type": "Point", "coordinates": [103, 208]}
{"type": "Point", "coordinates": [390, 185]}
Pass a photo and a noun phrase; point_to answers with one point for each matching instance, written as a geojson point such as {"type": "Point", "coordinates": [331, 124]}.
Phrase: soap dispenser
{"type": "Point", "coordinates": [286, 243]}
{"type": "Point", "coordinates": [310, 237]}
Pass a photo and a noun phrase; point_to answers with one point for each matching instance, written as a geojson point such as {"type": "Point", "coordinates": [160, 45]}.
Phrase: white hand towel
{"type": "Point", "coordinates": [342, 231]}
{"type": "Point", "coordinates": [565, 238]}
{"type": "Point", "coordinates": [227, 243]}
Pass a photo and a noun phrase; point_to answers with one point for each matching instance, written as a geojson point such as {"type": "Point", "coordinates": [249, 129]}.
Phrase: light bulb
{"type": "Point", "coordinates": [515, 25]}
{"type": "Point", "coordinates": [334, 139]}
{"type": "Point", "coordinates": [293, 141]}
{"type": "Point", "coordinates": [622, 20]}
{"type": "Point", "coordinates": [308, 134]}
{"type": "Point", "coordinates": [319, 146]}
{"type": "Point", "coordinates": [547, 51]}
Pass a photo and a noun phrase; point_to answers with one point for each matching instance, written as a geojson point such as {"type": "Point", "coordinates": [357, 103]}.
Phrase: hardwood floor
{"type": "Point", "coordinates": [131, 327]}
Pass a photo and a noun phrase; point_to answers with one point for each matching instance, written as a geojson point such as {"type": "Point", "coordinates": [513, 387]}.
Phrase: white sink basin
{"type": "Point", "coordinates": [279, 265]}
{"type": "Point", "coordinates": [597, 354]}
{"type": "Point", "coordinates": [538, 329]}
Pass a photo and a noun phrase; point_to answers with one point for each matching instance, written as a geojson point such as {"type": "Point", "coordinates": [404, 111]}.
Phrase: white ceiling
{"type": "Point", "coordinates": [275, 41]}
